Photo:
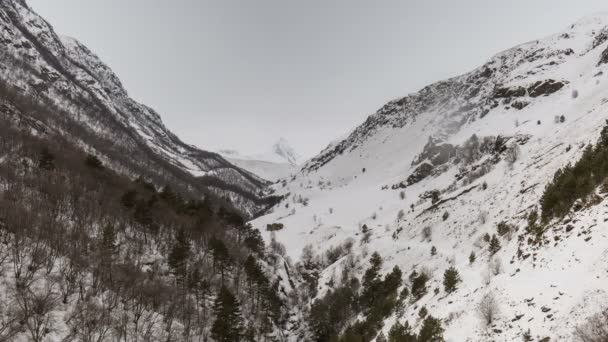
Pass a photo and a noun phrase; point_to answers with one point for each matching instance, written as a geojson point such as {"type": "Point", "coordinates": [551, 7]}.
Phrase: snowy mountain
{"type": "Point", "coordinates": [430, 177]}
{"type": "Point", "coordinates": [88, 97]}
{"type": "Point", "coordinates": [279, 162]}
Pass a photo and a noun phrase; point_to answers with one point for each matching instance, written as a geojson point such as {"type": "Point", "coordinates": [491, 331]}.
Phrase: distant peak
{"type": "Point", "coordinates": [284, 150]}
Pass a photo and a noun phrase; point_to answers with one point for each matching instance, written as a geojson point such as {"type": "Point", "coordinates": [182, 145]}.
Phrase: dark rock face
{"type": "Point", "coordinates": [520, 104]}
{"type": "Point", "coordinates": [509, 92]}
{"type": "Point", "coordinates": [436, 154]}
{"type": "Point", "coordinates": [422, 171]}
{"type": "Point", "coordinates": [546, 87]}
{"type": "Point", "coordinates": [603, 58]}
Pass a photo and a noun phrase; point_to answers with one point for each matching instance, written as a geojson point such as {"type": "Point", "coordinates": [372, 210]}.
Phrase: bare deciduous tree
{"type": "Point", "coordinates": [488, 308]}
{"type": "Point", "coordinates": [595, 329]}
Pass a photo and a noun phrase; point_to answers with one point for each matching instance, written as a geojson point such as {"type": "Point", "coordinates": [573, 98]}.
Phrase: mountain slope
{"type": "Point", "coordinates": [280, 162]}
{"type": "Point", "coordinates": [61, 73]}
{"type": "Point", "coordinates": [444, 166]}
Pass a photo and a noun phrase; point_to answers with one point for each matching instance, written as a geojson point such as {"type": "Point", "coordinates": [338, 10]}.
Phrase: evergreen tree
{"type": "Point", "coordinates": [431, 330]}
{"type": "Point", "coordinates": [451, 278]}
{"type": "Point", "coordinates": [93, 162]}
{"type": "Point", "coordinates": [179, 255]}
{"type": "Point", "coordinates": [401, 333]}
{"type": "Point", "coordinates": [472, 258]}
{"type": "Point", "coordinates": [381, 337]}
{"type": "Point", "coordinates": [433, 251]}
{"type": "Point", "coordinates": [221, 256]}
{"type": "Point", "coordinates": [46, 161]}
{"type": "Point", "coordinates": [494, 245]}
{"type": "Point", "coordinates": [419, 285]}
{"type": "Point", "coordinates": [372, 283]}
{"type": "Point", "coordinates": [227, 326]}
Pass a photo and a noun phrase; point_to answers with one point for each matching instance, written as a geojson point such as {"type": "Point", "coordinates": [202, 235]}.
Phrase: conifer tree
{"type": "Point", "coordinates": [381, 337]}
{"type": "Point", "coordinates": [494, 245]}
{"type": "Point", "coordinates": [451, 278]}
{"type": "Point", "coordinates": [228, 322]}
{"type": "Point", "coordinates": [472, 258]}
{"type": "Point", "coordinates": [401, 333]}
{"type": "Point", "coordinates": [93, 162]}
{"type": "Point", "coordinates": [221, 256]}
{"type": "Point", "coordinates": [431, 330]}
{"type": "Point", "coordinates": [419, 285]}
{"type": "Point", "coordinates": [179, 255]}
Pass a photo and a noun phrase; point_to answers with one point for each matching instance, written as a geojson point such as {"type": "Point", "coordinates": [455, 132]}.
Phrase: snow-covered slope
{"type": "Point", "coordinates": [458, 157]}
{"type": "Point", "coordinates": [279, 162]}
{"type": "Point", "coordinates": [60, 72]}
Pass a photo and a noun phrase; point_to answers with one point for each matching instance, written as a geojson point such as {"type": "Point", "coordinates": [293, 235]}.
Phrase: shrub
{"type": "Point", "coordinates": [423, 312]}
{"type": "Point", "coordinates": [427, 232]}
{"type": "Point", "coordinates": [273, 227]}
{"type": "Point", "coordinates": [503, 228]}
{"type": "Point", "coordinates": [400, 215]}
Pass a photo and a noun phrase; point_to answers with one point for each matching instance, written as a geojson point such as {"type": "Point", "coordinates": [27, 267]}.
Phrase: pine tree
{"type": "Point", "coordinates": [372, 282]}
{"type": "Point", "coordinates": [431, 330]}
{"type": "Point", "coordinates": [419, 285]}
{"type": "Point", "coordinates": [451, 278]}
{"type": "Point", "coordinates": [401, 333]}
{"type": "Point", "coordinates": [179, 255]}
{"type": "Point", "coordinates": [228, 325]}
{"type": "Point", "coordinates": [472, 258]}
{"type": "Point", "coordinates": [433, 251]}
{"type": "Point", "coordinates": [93, 162]}
{"type": "Point", "coordinates": [494, 245]}
{"type": "Point", "coordinates": [221, 256]}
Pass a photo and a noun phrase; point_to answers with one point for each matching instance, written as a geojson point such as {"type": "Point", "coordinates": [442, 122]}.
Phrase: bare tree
{"type": "Point", "coordinates": [35, 311]}
{"type": "Point", "coordinates": [595, 329]}
{"type": "Point", "coordinates": [488, 308]}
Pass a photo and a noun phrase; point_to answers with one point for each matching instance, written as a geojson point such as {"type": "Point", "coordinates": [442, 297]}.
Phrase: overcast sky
{"type": "Point", "coordinates": [240, 74]}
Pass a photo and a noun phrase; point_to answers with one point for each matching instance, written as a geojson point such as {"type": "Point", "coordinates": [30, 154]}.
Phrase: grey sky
{"type": "Point", "coordinates": [240, 74]}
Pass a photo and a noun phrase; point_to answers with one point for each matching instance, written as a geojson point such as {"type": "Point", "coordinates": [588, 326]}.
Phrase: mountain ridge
{"type": "Point", "coordinates": [64, 72]}
{"type": "Point", "coordinates": [425, 179]}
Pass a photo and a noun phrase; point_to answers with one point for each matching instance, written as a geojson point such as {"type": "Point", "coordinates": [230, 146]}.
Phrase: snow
{"type": "Point", "coordinates": [568, 278]}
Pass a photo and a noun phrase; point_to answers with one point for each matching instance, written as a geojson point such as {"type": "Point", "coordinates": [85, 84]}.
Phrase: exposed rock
{"type": "Point", "coordinates": [509, 92]}
{"type": "Point", "coordinates": [421, 172]}
{"type": "Point", "coordinates": [520, 104]}
{"type": "Point", "coordinates": [546, 87]}
{"type": "Point", "coordinates": [603, 58]}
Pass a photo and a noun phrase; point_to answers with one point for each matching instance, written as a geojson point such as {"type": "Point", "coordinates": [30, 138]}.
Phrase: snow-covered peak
{"type": "Point", "coordinates": [284, 150]}
{"type": "Point", "coordinates": [280, 161]}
